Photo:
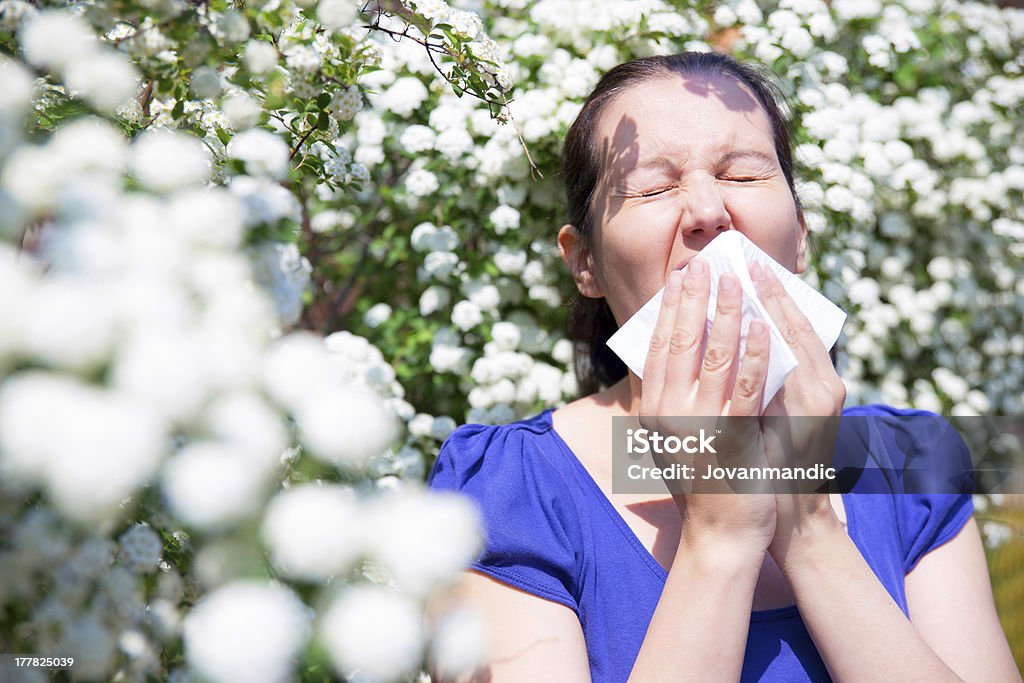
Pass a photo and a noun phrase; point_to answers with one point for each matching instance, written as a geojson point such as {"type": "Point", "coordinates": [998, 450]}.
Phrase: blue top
{"type": "Point", "coordinates": [552, 532]}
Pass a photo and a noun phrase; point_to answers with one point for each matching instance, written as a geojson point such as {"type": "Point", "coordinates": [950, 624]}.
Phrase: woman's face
{"type": "Point", "coordinates": [682, 159]}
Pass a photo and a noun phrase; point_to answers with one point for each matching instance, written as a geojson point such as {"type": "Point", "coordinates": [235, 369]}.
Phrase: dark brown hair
{"type": "Point", "coordinates": [591, 323]}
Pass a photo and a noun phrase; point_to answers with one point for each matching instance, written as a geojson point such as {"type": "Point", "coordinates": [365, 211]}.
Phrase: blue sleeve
{"type": "Point", "coordinates": [530, 531]}
{"type": "Point", "coordinates": [937, 502]}
{"type": "Point", "coordinates": [927, 521]}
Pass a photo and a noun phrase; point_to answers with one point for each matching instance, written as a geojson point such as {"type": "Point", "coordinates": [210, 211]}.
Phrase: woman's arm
{"type": "Point", "coordinates": [530, 638]}
{"type": "Point", "coordinates": [699, 628]}
{"type": "Point", "coordinates": [862, 634]}
{"type": "Point", "coordinates": [949, 597]}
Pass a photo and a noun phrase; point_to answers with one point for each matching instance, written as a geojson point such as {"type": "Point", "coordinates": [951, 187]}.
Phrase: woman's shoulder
{"type": "Point", "coordinates": [500, 455]}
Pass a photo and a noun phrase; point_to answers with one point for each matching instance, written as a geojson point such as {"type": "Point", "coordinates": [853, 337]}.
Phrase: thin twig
{"type": "Point", "coordinates": [431, 49]}
{"type": "Point", "coordinates": [146, 96]}
{"type": "Point", "coordinates": [298, 146]}
{"type": "Point", "coordinates": [534, 171]}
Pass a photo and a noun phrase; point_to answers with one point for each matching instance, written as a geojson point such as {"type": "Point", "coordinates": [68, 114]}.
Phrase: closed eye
{"type": "Point", "coordinates": [739, 179]}
{"type": "Point", "coordinates": [656, 192]}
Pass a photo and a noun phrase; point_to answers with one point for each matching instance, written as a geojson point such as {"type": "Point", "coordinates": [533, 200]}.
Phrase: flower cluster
{"type": "Point", "coordinates": [191, 488]}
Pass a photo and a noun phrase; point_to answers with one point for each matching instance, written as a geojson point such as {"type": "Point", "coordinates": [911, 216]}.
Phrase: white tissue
{"type": "Point", "coordinates": [730, 252]}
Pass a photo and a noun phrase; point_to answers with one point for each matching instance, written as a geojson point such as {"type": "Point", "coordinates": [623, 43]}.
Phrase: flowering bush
{"type": "Point", "coordinates": [192, 482]}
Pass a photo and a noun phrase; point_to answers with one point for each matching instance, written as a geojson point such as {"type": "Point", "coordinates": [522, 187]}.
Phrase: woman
{"type": "Point", "coordinates": [578, 583]}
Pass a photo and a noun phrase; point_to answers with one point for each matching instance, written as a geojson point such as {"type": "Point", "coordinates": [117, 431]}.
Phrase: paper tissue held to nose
{"type": "Point", "coordinates": [730, 252]}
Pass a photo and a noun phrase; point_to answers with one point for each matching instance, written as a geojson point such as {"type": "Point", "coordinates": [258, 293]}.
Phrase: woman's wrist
{"type": "Point", "coordinates": [721, 552]}
{"type": "Point", "coordinates": [805, 544]}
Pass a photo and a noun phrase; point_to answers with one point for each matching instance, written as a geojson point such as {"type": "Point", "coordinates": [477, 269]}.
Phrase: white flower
{"type": "Point", "coordinates": [92, 646]}
{"type": "Point", "coordinates": [204, 217]}
{"type": "Point", "coordinates": [486, 296]}
{"type": "Point", "coordinates": [416, 139]}
{"type": "Point", "coordinates": [466, 24]}
{"type": "Point", "coordinates": [205, 82]}
{"type": "Point", "coordinates": [422, 537]}
{"type": "Point", "coordinates": [313, 531]}
{"type": "Point", "coordinates": [241, 110]}
{"type": "Point", "coordinates": [262, 152]}
{"type": "Point", "coordinates": [421, 182]}
{"type": "Point", "coordinates": [141, 548]}
{"type": "Point", "coordinates": [260, 56]}
{"type": "Point", "coordinates": [358, 173]}
{"type": "Point", "coordinates": [303, 59]}
{"type": "Point", "coordinates": [433, 298]}
{"type": "Point", "coordinates": [460, 642]}
{"type": "Point", "coordinates": [377, 314]}
{"type": "Point", "coordinates": [165, 369]}
{"type": "Point", "coordinates": [246, 421]}
{"type": "Point", "coordinates": [347, 103]}
{"type": "Point", "coordinates": [724, 16]}
{"type": "Point", "coordinates": [70, 323]}
{"type": "Point", "coordinates": [466, 315]}
{"type": "Point", "coordinates": [212, 486]}
{"type": "Point", "coordinates": [446, 358]}
{"type": "Point", "coordinates": [435, 10]}
{"type": "Point", "coordinates": [453, 143]}
{"type": "Point", "coordinates": [164, 160]}
{"type": "Point", "coordinates": [442, 427]}
{"type": "Point", "coordinates": [506, 335]}
{"type": "Point", "coordinates": [104, 446]}
{"type": "Point", "coordinates": [420, 425]}
{"type": "Point", "coordinates": [284, 272]}
{"type": "Point", "coordinates": [295, 365]}
{"type": "Point", "coordinates": [562, 351]}
{"type": "Point", "coordinates": [404, 96]}
{"type": "Point", "coordinates": [246, 632]}
{"type": "Point", "coordinates": [374, 632]}
{"type": "Point", "coordinates": [56, 39]}
{"type": "Point", "coordinates": [422, 237]}
{"type": "Point", "coordinates": [15, 87]}
{"type": "Point", "coordinates": [231, 28]}
{"type": "Point", "coordinates": [345, 425]}
{"type": "Point", "coordinates": [504, 218]}
{"type": "Point", "coordinates": [106, 79]}
{"type": "Point", "coordinates": [336, 14]}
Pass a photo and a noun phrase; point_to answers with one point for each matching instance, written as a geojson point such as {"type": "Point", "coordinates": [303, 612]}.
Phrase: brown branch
{"type": "Point", "coordinates": [298, 146]}
{"type": "Point", "coordinates": [534, 171]}
{"type": "Point", "coordinates": [146, 97]}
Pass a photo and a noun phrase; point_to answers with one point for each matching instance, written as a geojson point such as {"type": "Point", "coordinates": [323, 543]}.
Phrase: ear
{"type": "Point", "coordinates": [577, 257]}
{"type": "Point", "coordinates": [801, 249]}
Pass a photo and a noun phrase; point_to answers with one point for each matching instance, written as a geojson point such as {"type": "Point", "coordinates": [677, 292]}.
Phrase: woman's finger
{"type": "Point", "coordinates": [657, 354]}
{"type": "Point", "coordinates": [687, 336]}
{"type": "Point", "coordinates": [794, 326]}
{"type": "Point", "coordinates": [718, 366]}
{"type": "Point", "coordinates": [749, 388]}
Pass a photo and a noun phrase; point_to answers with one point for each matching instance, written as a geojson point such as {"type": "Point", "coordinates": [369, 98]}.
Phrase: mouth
{"type": "Point", "coordinates": [683, 264]}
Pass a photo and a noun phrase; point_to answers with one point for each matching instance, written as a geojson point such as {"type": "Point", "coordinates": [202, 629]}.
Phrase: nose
{"type": "Point", "coordinates": [704, 214]}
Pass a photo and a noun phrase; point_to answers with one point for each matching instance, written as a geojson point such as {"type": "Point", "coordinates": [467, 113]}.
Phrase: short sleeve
{"type": "Point", "coordinates": [937, 482]}
{"type": "Point", "coordinates": [927, 521]}
{"type": "Point", "coordinates": [530, 533]}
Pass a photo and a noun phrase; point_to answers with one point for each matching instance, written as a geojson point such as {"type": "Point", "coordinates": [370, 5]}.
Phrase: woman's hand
{"type": "Point", "coordinates": [800, 424]}
{"type": "Point", "coordinates": [681, 379]}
